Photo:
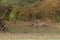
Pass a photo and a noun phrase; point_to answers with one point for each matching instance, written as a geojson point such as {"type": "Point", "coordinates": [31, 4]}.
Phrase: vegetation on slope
{"type": "Point", "coordinates": [33, 9]}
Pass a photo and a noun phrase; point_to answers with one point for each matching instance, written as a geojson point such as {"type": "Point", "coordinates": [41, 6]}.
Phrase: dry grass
{"type": "Point", "coordinates": [26, 27]}
{"type": "Point", "coordinates": [20, 31]}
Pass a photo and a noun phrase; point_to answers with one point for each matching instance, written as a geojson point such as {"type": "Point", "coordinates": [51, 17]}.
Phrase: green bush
{"type": "Point", "coordinates": [11, 16]}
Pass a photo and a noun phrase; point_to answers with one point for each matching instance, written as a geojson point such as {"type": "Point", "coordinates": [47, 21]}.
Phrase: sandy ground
{"type": "Point", "coordinates": [29, 36]}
